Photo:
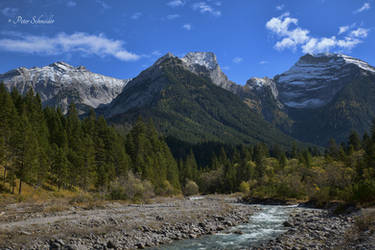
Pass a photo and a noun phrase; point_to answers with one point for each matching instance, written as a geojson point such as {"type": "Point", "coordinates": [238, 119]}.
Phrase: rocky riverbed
{"type": "Point", "coordinates": [322, 229]}
{"type": "Point", "coordinates": [118, 226]}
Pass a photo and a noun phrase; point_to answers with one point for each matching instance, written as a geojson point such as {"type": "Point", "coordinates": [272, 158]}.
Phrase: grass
{"type": "Point", "coordinates": [36, 194]}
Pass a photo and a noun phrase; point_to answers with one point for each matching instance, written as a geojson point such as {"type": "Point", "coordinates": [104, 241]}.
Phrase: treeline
{"type": "Point", "coordinates": [43, 147]}
{"type": "Point", "coordinates": [344, 172]}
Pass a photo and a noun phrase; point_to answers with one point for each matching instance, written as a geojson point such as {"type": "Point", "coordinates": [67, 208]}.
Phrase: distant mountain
{"type": "Point", "coordinates": [186, 104]}
{"type": "Point", "coordinates": [328, 95]}
{"type": "Point", "coordinates": [60, 84]}
{"type": "Point", "coordinates": [321, 96]}
{"type": "Point", "coordinates": [316, 79]}
{"type": "Point", "coordinates": [259, 94]}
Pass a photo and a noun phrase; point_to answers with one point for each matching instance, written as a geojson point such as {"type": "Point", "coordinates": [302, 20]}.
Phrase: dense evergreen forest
{"type": "Point", "coordinates": [44, 148]}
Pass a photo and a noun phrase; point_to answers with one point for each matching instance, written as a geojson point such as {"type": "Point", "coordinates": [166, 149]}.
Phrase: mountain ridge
{"type": "Point", "coordinates": [292, 101]}
{"type": "Point", "coordinates": [60, 84]}
{"type": "Point", "coordinates": [189, 106]}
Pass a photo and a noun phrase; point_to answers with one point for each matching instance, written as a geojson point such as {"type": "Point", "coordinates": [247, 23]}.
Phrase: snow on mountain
{"type": "Point", "coordinates": [315, 79]}
{"type": "Point", "coordinates": [205, 64]}
{"type": "Point", "coordinates": [206, 59]}
{"type": "Point", "coordinates": [60, 84]}
{"type": "Point", "coordinates": [259, 83]}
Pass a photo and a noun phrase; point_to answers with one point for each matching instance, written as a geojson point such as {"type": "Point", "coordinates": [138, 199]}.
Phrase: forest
{"type": "Point", "coordinates": [45, 149]}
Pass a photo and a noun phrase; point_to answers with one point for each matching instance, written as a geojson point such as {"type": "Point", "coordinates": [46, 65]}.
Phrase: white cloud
{"type": "Point", "coordinates": [360, 33]}
{"type": "Point", "coordinates": [348, 43]}
{"type": "Point", "coordinates": [156, 53]}
{"type": "Point", "coordinates": [280, 25]}
{"type": "Point", "coordinates": [343, 29]}
{"type": "Point", "coordinates": [9, 12]}
{"type": "Point", "coordinates": [62, 43]}
{"type": "Point", "coordinates": [187, 26]}
{"type": "Point", "coordinates": [291, 36]}
{"type": "Point", "coordinates": [237, 60]}
{"type": "Point", "coordinates": [280, 7]}
{"type": "Point", "coordinates": [136, 15]}
{"type": "Point", "coordinates": [203, 7]}
{"type": "Point", "coordinates": [176, 3]}
{"type": "Point", "coordinates": [263, 62]}
{"type": "Point", "coordinates": [365, 6]}
{"type": "Point", "coordinates": [103, 4]}
{"type": "Point", "coordinates": [71, 4]}
{"type": "Point", "coordinates": [326, 44]}
{"type": "Point", "coordinates": [173, 16]}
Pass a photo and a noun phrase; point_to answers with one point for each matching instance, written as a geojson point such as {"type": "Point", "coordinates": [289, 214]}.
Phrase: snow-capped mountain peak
{"type": "Point", "coordinates": [61, 66]}
{"type": "Point", "coordinates": [205, 63]}
{"type": "Point", "coordinates": [60, 84]}
{"type": "Point", "coordinates": [315, 79]}
{"type": "Point", "coordinates": [363, 65]}
{"type": "Point", "coordinates": [206, 59]}
{"type": "Point", "coordinates": [259, 83]}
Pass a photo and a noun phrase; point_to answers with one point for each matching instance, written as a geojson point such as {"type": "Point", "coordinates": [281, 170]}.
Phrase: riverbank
{"type": "Point", "coordinates": [117, 225]}
{"type": "Point", "coordinates": [322, 229]}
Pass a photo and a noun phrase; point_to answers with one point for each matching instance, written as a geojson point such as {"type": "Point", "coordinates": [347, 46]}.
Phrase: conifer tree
{"type": "Point", "coordinates": [354, 140]}
{"type": "Point", "coordinates": [26, 151]}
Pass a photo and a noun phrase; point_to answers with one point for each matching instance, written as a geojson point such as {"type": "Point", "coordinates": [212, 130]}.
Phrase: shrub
{"type": "Point", "coordinates": [131, 188]}
{"type": "Point", "coordinates": [191, 188]}
{"type": "Point", "coordinates": [364, 191]}
{"type": "Point", "coordinates": [245, 187]}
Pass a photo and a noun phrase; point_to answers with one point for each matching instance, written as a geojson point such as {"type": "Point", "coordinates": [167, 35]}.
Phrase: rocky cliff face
{"type": "Point", "coordinates": [205, 64]}
{"type": "Point", "coordinates": [60, 84]}
{"type": "Point", "coordinates": [315, 79]}
{"type": "Point", "coordinates": [328, 95]}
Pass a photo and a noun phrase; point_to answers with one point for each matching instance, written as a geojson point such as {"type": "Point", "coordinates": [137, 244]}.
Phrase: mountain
{"type": "Point", "coordinates": [60, 84]}
{"type": "Point", "coordinates": [188, 105]}
{"type": "Point", "coordinates": [321, 96]}
{"type": "Point", "coordinates": [205, 64]}
{"type": "Point", "coordinates": [259, 94]}
{"type": "Point", "coordinates": [326, 96]}
{"type": "Point", "coordinates": [316, 79]}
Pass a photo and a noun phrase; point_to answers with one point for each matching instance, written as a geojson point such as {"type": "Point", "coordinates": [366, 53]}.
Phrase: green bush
{"type": "Point", "coordinates": [245, 187]}
{"type": "Point", "coordinates": [191, 188]}
{"type": "Point", "coordinates": [364, 191]}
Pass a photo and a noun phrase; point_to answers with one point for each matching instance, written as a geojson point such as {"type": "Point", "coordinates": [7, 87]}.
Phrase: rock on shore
{"type": "Point", "coordinates": [124, 227]}
{"type": "Point", "coordinates": [318, 229]}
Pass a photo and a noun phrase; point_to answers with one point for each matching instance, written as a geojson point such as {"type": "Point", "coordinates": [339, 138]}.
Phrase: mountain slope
{"type": "Point", "coordinates": [352, 108]}
{"type": "Point", "coordinates": [60, 84]}
{"type": "Point", "coordinates": [190, 107]}
{"type": "Point", "coordinates": [315, 79]}
{"type": "Point", "coordinates": [328, 95]}
{"type": "Point", "coordinates": [259, 94]}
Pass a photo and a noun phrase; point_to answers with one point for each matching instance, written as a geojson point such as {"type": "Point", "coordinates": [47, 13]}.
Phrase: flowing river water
{"type": "Point", "coordinates": [264, 225]}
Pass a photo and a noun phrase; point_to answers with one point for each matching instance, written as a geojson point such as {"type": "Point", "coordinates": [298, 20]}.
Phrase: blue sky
{"type": "Point", "coordinates": [120, 38]}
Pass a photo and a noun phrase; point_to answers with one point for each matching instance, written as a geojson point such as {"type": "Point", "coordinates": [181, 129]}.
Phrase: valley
{"type": "Point", "coordinates": [187, 124]}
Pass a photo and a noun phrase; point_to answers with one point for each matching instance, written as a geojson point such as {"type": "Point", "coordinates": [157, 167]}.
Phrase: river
{"type": "Point", "coordinates": [264, 225]}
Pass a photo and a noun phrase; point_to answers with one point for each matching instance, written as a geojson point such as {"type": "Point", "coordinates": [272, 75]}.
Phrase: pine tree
{"type": "Point", "coordinates": [60, 167]}
{"type": "Point", "coordinates": [354, 140]}
{"type": "Point", "coordinates": [26, 151]}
